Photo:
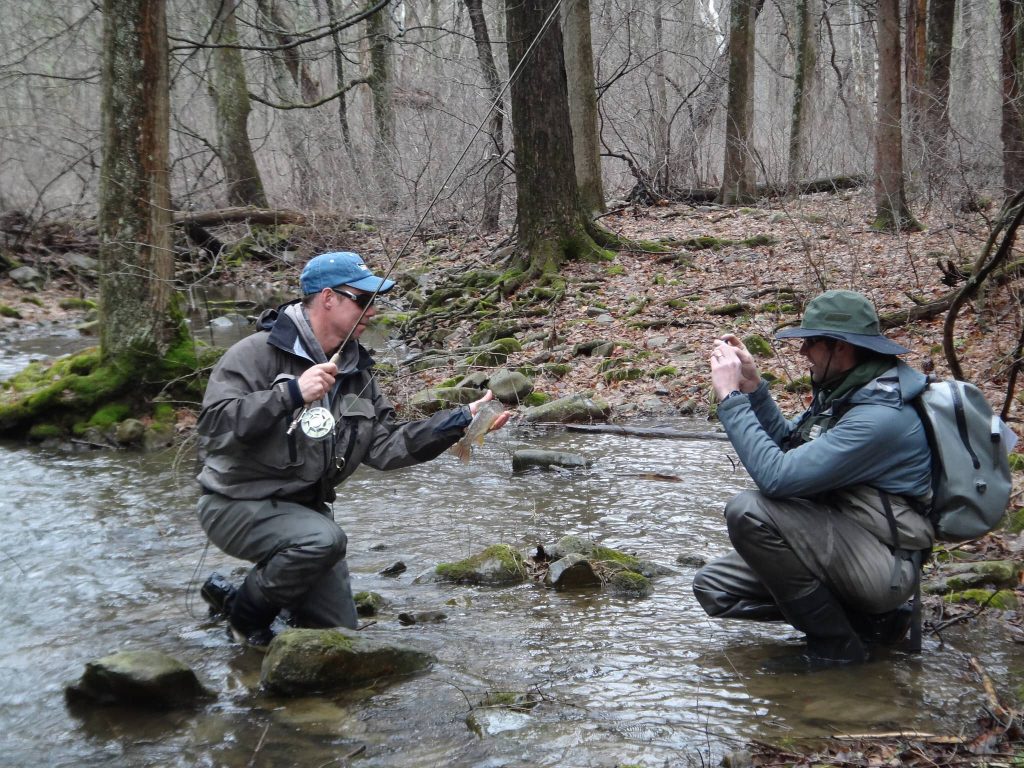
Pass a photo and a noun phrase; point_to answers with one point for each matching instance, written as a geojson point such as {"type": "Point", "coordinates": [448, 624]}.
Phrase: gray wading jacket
{"type": "Point", "coordinates": [877, 444]}
{"type": "Point", "coordinates": [243, 442]}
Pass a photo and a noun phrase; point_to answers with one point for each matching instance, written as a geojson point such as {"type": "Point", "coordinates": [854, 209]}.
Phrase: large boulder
{"type": "Point", "coordinates": [510, 387]}
{"type": "Point", "coordinates": [143, 678]}
{"type": "Point", "coordinates": [302, 661]}
{"type": "Point", "coordinates": [568, 410]}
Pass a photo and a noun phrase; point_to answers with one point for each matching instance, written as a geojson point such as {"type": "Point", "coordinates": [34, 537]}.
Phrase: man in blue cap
{"type": "Point", "coordinates": [830, 540]}
{"type": "Point", "coordinates": [268, 487]}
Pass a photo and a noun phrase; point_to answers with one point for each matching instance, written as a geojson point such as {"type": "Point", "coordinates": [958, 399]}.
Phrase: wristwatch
{"type": "Point", "coordinates": [734, 393]}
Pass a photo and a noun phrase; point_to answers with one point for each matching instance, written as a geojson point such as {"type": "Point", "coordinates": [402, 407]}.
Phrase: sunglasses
{"type": "Point", "coordinates": [363, 300]}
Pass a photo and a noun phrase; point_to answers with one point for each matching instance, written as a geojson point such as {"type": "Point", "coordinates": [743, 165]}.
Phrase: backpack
{"type": "Point", "coordinates": [970, 465]}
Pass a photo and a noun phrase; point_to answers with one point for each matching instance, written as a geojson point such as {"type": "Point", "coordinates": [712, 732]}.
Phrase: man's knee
{"type": "Point", "coordinates": [328, 542]}
{"type": "Point", "coordinates": [708, 593]}
{"type": "Point", "coordinates": [743, 514]}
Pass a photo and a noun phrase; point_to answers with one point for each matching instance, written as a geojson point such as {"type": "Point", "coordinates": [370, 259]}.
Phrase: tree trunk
{"type": "Point", "coordinates": [231, 97]}
{"type": "Point", "coordinates": [495, 174]}
{"type": "Point", "coordinates": [803, 77]}
{"type": "Point", "coordinates": [738, 175]}
{"type": "Point", "coordinates": [549, 214]}
{"type": "Point", "coordinates": [891, 211]}
{"type": "Point", "coordinates": [915, 59]}
{"type": "Point", "coordinates": [941, 14]}
{"type": "Point", "coordinates": [1013, 95]}
{"type": "Point", "coordinates": [583, 117]}
{"type": "Point", "coordinates": [659, 171]}
{"type": "Point", "coordinates": [384, 149]}
{"type": "Point", "coordinates": [136, 260]}
{"type": "Point", "coordinates": [339, 74]}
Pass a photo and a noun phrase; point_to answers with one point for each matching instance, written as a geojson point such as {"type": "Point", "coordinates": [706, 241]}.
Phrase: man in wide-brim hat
{"type": "Point", "coordinates": [830, 540]}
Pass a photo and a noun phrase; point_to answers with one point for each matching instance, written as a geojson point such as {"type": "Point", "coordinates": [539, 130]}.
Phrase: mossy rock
{"type": "Point", "coordinates": [499, 564]}
{"type": "Point", "coordinates": [43, 431]}
{"type": "Point", "coordinates": [536, 398]}
{"type": "Point", "coordinates": [6, 311]}
{"type": "Point", "coordinates": [1014, 521]}
{"type": "Point", "coordinates": [558, 370]}
{"type": "Point", "coordinates": [437, 398]}
{"type": "Point", "coordinates": [624, 374]}
{"type": "Point", "coordinates": [303, 661]}
{"type": "Point", "coordinates": [732, 309]}
{"type": "Point", "coordinates": [666, 371]}
{"type": "Point", "coordinates": [803, 384]}
{"type": "Point", "coordinates": [758, 345]}
{"type": "Point", "coordinates": [75, 303]}
{"type": "Point", "coordinates": [1003, 599]}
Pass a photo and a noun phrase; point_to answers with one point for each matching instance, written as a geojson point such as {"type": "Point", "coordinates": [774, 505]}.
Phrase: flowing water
{"type": "Point", "coordinates": [101, 552]}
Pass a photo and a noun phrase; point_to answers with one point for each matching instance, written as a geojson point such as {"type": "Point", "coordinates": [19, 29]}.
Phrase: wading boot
{"type": "Point", "coordinates": [251, 616]}
{"type": "Point", "coordinates": [831, 640]}
{"type": "Point", "coordinates": [884, 628]}
{"type": "Point", "coordinates": [218, 593]}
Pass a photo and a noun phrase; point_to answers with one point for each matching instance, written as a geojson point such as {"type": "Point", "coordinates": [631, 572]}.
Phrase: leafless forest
{"type": "Point", "coordinates": [374, 110]}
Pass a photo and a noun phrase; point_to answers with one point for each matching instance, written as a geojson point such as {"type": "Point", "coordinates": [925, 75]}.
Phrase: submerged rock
{"type": "Point", "coordinates": [572, 572]}
{"type": "Point", "coordinates": [531, 457]}
{"type": "Point", "coordinates": [302, 661]}
{"type": "Point", "coordinates": [143, 678]}
{"type": "Point", "coordinates": [368, 603]}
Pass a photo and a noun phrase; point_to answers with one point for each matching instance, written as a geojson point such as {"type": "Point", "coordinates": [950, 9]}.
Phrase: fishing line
{"type": "Point", "coordinates": [513, 76]}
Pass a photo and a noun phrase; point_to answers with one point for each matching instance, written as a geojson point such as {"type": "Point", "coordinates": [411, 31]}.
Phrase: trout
{"type": "Point", "coordinates": [477, 428]}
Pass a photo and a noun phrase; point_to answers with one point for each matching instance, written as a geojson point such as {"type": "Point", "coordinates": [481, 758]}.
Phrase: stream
{"type": "Point", "coordinates": [101, 552]}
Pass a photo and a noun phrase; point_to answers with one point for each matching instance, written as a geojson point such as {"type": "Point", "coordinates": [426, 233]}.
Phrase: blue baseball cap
{"type": "Point", "coordinates": [330, 270]}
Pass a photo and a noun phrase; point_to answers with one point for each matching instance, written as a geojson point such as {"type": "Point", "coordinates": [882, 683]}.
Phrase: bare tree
{"type": "Point", "coordinates": [136, 261]}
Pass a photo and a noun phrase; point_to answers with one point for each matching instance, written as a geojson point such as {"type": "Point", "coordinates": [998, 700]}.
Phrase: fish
{"type": "Point", "coordinates": [478, 427]}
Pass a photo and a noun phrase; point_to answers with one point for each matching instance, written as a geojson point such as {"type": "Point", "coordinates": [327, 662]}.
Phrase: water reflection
{"type": "Point", "coordinates": [101, 551]}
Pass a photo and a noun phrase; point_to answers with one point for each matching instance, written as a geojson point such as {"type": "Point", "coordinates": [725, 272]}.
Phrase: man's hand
{"type": "Point", "coordinates": [499, 422]}
{"type": "Point", "coordinates": [317, 381]}
{"type": "Point", "coordinates": [750, 377]}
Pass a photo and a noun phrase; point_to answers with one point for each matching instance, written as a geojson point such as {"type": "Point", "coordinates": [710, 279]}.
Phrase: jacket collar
{"type": "Point", "coordinates": [286, 337]}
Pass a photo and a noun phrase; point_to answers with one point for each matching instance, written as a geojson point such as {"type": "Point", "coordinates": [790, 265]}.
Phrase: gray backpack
{"type": "Point", "coordinates": [970, 469]}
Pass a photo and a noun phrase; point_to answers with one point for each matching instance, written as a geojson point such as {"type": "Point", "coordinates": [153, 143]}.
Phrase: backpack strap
{"type": "Point", "coordinates": [894, 532]}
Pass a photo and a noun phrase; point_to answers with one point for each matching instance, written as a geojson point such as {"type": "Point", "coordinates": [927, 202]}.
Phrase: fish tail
{"type": "Point", "coordinates": [462, 450]}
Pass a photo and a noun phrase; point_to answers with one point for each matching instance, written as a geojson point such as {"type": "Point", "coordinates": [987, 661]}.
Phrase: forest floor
{"type": "Point", "coordinates": [742, 270]}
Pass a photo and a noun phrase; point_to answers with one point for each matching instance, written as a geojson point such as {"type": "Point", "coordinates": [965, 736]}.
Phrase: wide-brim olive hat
{"type": "Point", "coordinates": [845, 315]}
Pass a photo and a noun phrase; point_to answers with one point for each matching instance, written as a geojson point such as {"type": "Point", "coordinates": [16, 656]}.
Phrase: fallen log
{"type": "Point", "coordinates": [263, 216]}
{"type": "Point", "coordinates": [656, 432]}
